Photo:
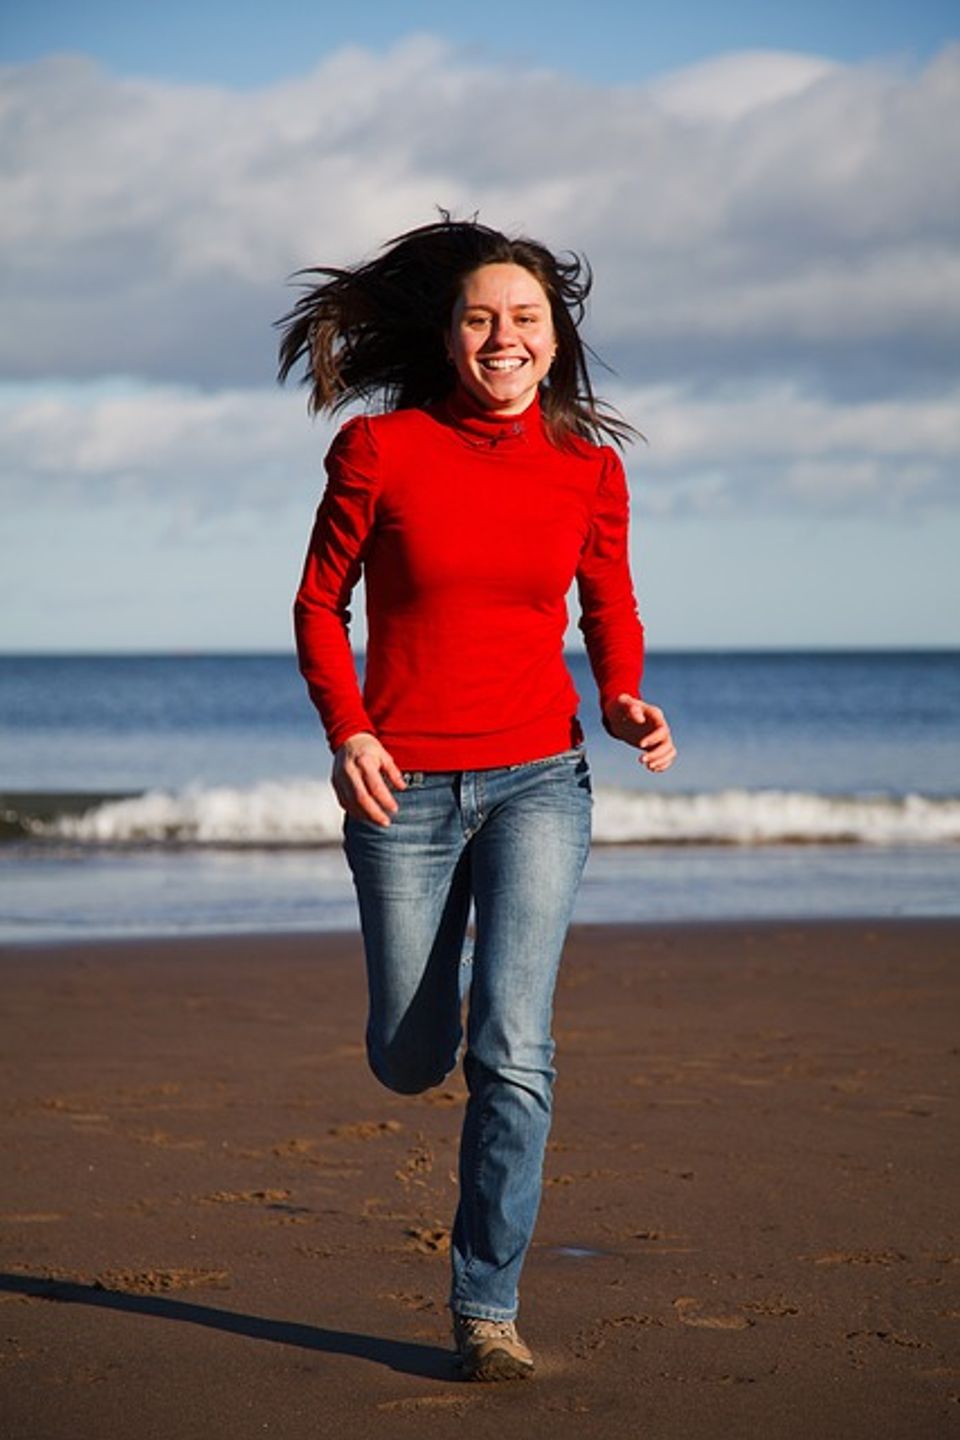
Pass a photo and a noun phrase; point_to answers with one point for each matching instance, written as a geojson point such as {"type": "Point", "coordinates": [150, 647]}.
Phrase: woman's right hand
{"type": "Point", "coordinates": [359, 768]}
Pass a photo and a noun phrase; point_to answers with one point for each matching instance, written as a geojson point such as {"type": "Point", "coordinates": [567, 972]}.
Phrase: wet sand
{"type": "Point", "coordinates": [215, 1223]}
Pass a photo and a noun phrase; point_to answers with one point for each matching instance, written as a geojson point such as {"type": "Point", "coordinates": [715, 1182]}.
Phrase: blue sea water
{"type": "Point", "coordinates": [167, 794]}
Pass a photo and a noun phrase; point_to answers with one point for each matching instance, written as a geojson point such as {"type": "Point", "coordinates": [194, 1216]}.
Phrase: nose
{"type": "Point", "coordinates": [502, 331]}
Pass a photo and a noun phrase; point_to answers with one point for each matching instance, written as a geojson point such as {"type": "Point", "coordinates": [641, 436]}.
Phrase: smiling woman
{"type": "Point", "coordinates": [470, 508]}
{"type": "Point", "coordinates": [501, 339]}
{"type": "Point", "coordinates": [392, 330]}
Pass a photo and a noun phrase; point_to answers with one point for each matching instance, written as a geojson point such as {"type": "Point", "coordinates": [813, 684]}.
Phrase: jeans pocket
{"type": "Point", "coordinates": [577, 752]}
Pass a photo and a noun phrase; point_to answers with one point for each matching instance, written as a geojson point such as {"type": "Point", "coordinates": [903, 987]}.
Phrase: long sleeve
{"type": "Point", "coordinates": [467, 529]}
{"type": "Point", "coordinates": [341, 533]}
{"type": "Point", "coordinates": [609, 620]}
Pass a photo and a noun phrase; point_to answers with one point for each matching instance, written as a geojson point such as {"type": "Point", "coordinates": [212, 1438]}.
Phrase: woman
{"type": "Point", "coordinates": [469, 506]}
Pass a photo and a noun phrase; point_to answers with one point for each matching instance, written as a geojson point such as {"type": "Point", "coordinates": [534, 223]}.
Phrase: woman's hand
{"type": "Point", "coordinates": [359, 767]}
{"type": "Point", "coordinates": [644, 726]}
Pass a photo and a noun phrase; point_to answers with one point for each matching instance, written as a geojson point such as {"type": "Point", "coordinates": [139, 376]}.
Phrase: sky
{"type": "Point", "coordinates": [768, 198]}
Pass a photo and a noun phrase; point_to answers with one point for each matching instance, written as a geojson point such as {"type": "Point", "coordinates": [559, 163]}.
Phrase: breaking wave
{"type": "Point", "coordinates": [297, 813]}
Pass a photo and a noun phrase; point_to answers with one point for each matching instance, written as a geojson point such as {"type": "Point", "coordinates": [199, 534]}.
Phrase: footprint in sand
{"type": "Point", "coordinates": [776, 1309]}
{"type": "Point", "coordinates": [412, 1300]}
{"type": "Point", "coordinates": [156, 1282]}
{"type": "Point", "coordinates": [453, 1405]}
{"type": "Point", "coordinates": [165, 1141]}
{"type": "Point", "coordinates": [74, 1106]}
{"type": "Point", "coordinates": [573, 1177]}
{"type": "Point", "coordinates": [888, 1337]}
{"type": "Point", "coordinates": [688, 1313]}
{"type": "Point", "coordinates": [222, 1197]}
{"type": "Point", "coordinates": [365, 1130]}
{"type": "Point", "coordinates": [635, 1319]}
{"type": "Point", "coordinates": [659, 1241]}
{"type": "Point", "coordinates": [443, 1098]}
{"type": "Point", "coordinates": [857, 1257]}
{"type": "Point", "coordinates": [294, 1149]}
{"type": "Point", "coordinates": [375, 1207]}
{"type": "Point", "coordinates": [429, 1239]}
{"type": "Point", "coordinates": [270, 1199]}
{"type": "Point", "coordinates": [418, 1164]}
{"type": "Point", "coordinates": [594, 1338]}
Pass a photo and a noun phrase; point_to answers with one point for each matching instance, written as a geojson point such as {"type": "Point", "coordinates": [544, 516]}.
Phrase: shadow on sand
{"type": "Point", "coordinates": [427, 1361]}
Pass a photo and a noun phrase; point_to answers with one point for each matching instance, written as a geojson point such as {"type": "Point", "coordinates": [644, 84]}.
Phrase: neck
{"type": "Point", "coordinates": [463, 406]}
{"type": "Point", "coordinates": [488, 428]}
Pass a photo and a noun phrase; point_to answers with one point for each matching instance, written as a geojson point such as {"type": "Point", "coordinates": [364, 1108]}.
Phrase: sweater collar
{"type": "Point", "coordinates": [479, 427]}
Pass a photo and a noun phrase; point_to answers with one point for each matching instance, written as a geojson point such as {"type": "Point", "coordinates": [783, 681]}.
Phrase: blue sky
{"type": "Point", "coordinates": [767, 195]}
{"type": "Point", "coordinates": [249, 43]}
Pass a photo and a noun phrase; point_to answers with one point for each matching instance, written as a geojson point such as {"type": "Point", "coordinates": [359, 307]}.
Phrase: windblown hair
{"type": "Point", "coordinates": [376, 332]}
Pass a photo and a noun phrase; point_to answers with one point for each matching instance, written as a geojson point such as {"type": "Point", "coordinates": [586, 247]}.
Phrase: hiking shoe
{"type": "Point", "coordinates": [490, 1349]}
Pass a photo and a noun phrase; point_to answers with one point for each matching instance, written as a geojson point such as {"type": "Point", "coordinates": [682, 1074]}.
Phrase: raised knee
{"type": "Point", "coordinates": [404, 1076]}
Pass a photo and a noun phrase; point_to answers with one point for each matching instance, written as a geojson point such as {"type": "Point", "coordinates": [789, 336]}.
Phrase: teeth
{"type": "Point", "coordinates": [513, 364]}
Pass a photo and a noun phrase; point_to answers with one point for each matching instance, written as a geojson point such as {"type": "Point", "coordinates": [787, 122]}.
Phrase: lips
{"type": "Point", "coordinates": [505, 366]}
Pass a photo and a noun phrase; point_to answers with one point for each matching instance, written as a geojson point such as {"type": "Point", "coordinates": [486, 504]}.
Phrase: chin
{"type": "Point", "coordinates": [490, 400]}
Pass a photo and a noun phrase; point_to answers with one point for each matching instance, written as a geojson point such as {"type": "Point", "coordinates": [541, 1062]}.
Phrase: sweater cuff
{"type": "Point", "coordinates": [609, 695]}
{"type": "Point", "coordinates": [351, 725]}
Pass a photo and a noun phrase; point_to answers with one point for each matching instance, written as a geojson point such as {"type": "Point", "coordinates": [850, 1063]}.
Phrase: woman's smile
{"type": "Point", "coordinates": [501, 339]}
{"type": "Point", "coordinates": [512, 363]}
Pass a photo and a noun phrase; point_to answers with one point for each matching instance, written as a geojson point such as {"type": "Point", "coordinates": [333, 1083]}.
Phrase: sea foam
{"type": "Point", "coordinates": [290, 813]}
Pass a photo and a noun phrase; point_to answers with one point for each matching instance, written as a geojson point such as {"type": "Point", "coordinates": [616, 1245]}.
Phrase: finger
{"type": "Point", "coordinates": [657, 752]}
{"type": "Point", "coordinates": [351, 790]}
{"type": "Point", "coordinates": [362, 806]}
{"type": "Point", "coordinates": [655, 741]}
{"type": "Point", "coordinates": [366, 808]}
{"type": "Point", "coordinates": [393, 772]}
{"type": "Point", "coordinates": [358, 804]}
{"type": "Point", "coordinates": [633, 706]}
{"type": "Point", "coordinates": [662, 760]}
{"type": "Point", "coordinates": [373, 784]}
{"type": "Point", "coordinates": [652, 738]}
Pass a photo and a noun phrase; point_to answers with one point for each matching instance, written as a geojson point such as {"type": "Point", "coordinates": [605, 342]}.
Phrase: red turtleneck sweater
{"type": "Point", "coordinates": [469, 530]}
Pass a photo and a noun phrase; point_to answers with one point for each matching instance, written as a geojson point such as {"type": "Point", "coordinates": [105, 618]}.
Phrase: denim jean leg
{"type": "Point", "coordinates": [527, 859]}
{"type": "Point", "coordinates": [413, 890]}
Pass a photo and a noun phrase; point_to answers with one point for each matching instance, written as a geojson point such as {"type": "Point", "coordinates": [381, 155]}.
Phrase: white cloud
{"type": "Point", "coordinates": [729, 86]}
{"type": "Point", "coordinates": [776, 419]}
{"type": "Point", "coordinates": [774, 445]}
{"type": "Point", "coordinates": [760, 214]}
{"type": "Point", "coordinates": [182, 451]}
{"type": "Point", "coordinates": [237, 452]}
{"type": "Point", "coordinates": [776, 241]}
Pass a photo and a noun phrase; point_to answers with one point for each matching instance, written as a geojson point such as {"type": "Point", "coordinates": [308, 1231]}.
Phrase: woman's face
{"type": "Point", "coordinates": [501, 338]}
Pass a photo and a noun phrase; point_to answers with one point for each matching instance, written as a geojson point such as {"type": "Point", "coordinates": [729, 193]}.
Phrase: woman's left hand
{"type": "Point", "coordinates": [644, 726]}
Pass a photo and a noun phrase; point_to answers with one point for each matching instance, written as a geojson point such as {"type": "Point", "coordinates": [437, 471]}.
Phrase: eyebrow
{"type": "Point", "coordinates": [521, 305]}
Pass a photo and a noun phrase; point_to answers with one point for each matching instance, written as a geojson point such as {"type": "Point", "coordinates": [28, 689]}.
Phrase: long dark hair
{"type": "Point", "coordinates": [377, 331]}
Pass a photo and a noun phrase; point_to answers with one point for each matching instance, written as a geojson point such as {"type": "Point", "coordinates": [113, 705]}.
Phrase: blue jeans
{"type": "Point", "coordinates": [514, 840]}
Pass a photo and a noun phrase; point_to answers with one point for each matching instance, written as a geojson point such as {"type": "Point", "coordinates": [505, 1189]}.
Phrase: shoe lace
{"type": "Point", "coordinates": [489, 1329]}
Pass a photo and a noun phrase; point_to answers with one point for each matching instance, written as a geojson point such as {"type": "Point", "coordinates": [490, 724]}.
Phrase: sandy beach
{"type": "Point", "coordinates": [216, 1223]}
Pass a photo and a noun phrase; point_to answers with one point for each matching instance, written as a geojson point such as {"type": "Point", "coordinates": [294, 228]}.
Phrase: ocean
{"type": "Point", "coordinates": [169, 794]}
